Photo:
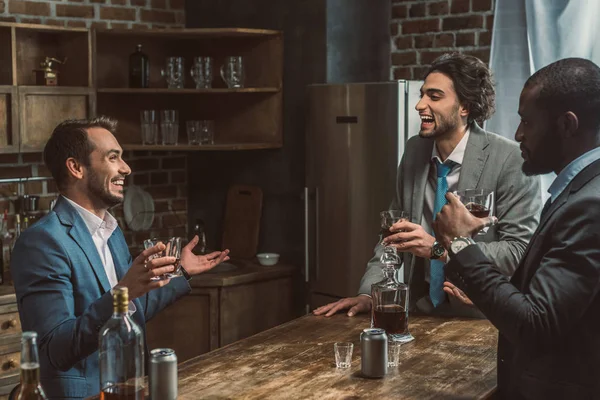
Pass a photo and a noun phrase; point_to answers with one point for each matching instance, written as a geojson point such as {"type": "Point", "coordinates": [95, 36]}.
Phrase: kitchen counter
{"type": "Point", "coordinates": [450, 358]}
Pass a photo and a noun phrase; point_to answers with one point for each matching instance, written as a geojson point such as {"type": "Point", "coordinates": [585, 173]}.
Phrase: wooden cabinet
{"type": "Point", "coordinates": [10, 341]}
{"type": "Point", "coordinates": [94, 81]}
{"type": "Point", "coordinates": [223, 308]}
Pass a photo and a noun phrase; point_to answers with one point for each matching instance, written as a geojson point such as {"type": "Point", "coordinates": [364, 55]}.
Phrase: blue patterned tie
{"type": "Point", "coordinates": [436, 275]}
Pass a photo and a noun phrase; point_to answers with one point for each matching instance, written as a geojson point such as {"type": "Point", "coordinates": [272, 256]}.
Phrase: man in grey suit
{"type": "Point", "coordinates": [458, 91]}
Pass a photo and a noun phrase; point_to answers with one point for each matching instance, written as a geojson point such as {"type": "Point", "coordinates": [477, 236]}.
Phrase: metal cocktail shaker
{"type": "Point", "coordinates": [163, 374]}
{"type": "Point", "coordinates": [374, 353]}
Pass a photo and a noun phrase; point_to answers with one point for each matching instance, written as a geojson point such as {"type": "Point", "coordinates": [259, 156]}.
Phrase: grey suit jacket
{"type": "Point", "coordinates": [490, 162]}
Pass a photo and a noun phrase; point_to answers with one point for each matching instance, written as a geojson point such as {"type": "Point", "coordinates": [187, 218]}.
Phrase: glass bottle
{"type": "Point", "coordinates": [199, 231]}
{"type": "Point", "coordinates": [139, 69]}
{"type": "Point", "coordinates": [121, 353]}
{"type": "Point", "coordinates": [31, 389]}
{"type": "Point", "coordinates": [390, 300]}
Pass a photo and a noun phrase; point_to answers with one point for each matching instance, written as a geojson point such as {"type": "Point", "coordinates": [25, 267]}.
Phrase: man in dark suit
{"type": "Point", "coordinates": [65, 265]}
{"type": "Point", "coordinates": [458, 91]}
{"type": "Point", "coordinates": [548, 314]}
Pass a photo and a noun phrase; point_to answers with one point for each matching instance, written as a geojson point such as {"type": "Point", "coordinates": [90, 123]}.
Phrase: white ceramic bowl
{"type": "Point", "coordinates": [267, 258]}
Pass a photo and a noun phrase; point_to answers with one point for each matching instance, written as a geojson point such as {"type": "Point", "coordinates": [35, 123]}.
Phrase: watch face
{"type": "Point", "coordinates": [437, 250]}
{"type": "Point", "coordinates": [458, 244]}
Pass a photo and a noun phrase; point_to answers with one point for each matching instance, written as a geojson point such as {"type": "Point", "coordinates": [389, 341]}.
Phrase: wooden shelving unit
{"type": "Point", "coordinates": [94, 81]}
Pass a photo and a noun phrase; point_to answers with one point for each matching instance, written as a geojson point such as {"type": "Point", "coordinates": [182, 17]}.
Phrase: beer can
{"type": "Point", "coordinates": [163, 374]}
{"type": "Point", "coordinates": [374, 353]}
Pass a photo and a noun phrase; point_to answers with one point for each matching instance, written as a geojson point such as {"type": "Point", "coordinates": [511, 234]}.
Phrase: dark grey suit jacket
{"type": "Point", "coordinates": [490, 162]}
{"type": "Point", "coordinates": [548, 314]}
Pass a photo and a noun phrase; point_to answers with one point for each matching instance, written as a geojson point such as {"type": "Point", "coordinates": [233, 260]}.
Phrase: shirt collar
{"type": "Point", "coordinates": [458, 154]}
{"type": "Point", "coordinates": [94, 222]}
{"type": "Point", "coordinates": [568, 173]}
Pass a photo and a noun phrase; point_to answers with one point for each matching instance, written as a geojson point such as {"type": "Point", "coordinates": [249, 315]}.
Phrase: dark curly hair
{"type": "Point", "coordinates": [70, 139]}
{"type": "Point", "coordinates": [472, 81]}
{"type": "Point", "coordinates": [570, 84]}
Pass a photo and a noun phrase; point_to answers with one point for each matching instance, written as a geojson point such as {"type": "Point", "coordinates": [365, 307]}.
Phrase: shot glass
{"type": "Point", "coordinates": [172, 249]}
{"type": "Point", "coordinates": [343, 354]}
{"type": "Point", "coordinates": [480, 203]}
{"type": "Point", "coordinates": [393, 353]}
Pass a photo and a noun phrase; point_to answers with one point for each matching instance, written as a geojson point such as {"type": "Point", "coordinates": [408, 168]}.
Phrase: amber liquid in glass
{"type": "Point", "coordinates": [122, 392]}
{"type": "Point", "coordinates": [478, 210]}
{"type": "Point", "coordinates": [30, 383]}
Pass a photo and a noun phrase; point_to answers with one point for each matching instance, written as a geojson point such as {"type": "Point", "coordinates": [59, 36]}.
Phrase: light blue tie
{"type": "Point", "coordinates": [436, 270]}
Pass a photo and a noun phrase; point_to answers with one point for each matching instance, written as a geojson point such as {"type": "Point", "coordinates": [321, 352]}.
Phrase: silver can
{"type": "Point", "coordinates": [374, 353]}
{"type": "Point", "coordinates": [163, 374]}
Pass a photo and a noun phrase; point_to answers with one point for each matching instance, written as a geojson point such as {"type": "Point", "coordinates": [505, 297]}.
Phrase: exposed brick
{"type": "Point", "coordinates": [118, 2]}
{"type": "Point", "coordinates": [36, 21]}
{"type": "Point", "coordinates": [28, 7]}
{"type": "Point", "coordinates": [173, 163]}
{"type": "Point", "coordinates": [179, 205]}
{"type": "Point", "coordinates": [427, 57]}
{"type": "Point", "coordinates": [144, 164]}
{"type": "Point", "coordinates": [419, 72]}
{"type": "Point", "coordinates": [421, 26]}
{"type": "Point", "coordinates": [67, 10]}
{"type": "Point", "coordinates": [99, 1]}
{"type": "Point", "coordinates": [444, 40]}
{"type": "Point", "coordinates": [158, 4]}
{"type": "Point", "coordinates": [76, 1]}
{"type": "Point", "coordinates": [456, 23]}
{"type": "Point", "coordinates": [140, 26]}
{"type": "Point", "coordinates": [159, 178]}
{"type": "Point", "coordinates": [182, 189]}
{"type": "Point", "coordinates": [402, 73]}
{"type": "Point", "coordinates": [76, 24]}
{"type": "Point", "coordinates": [7, 19]}
{"type": "Point", "coordinates": [167, 17]}
{"type": "Point", "coordinates": [32, 158]}
{"type": "Point", "coordinates": [404, 42]}
{"type": "Point", "coordinates": [405, 58]}
{"type": "Point", "coordinates": [55, 22]}
{"type": "Point", "coordinates": [178, 177]}
{"type": "Point", "coordinates": [465, 39]}
{"type": "Point", "coordinates": [174, 220]}
{"type": "Point", "coordinates": [141, 3]}
{"type": "Point", "coordinates": [117, 13]}
{"type": "Point", "coordinates": [161, 206]}
{"type": "Point", "coordinates": [460, 6]}
{"type": "Point", "coordinates": [489, 22]}
{"type": "Point", "coordinates": [9, 158]}
{"type": "Point", "coordinates": [33, 187]}
{"type": "Point", "coordinates": [119, 25]}
{"type": "Point", "coordinates": [51, 187]}
{"type": "Point", "coordinates": [482, 54]}
{"type": "Point", "coordinates": [2, 6]}
{"type": "Point", "coordinates": [424, 41]}
{"type": "Point", "coordinates": [481, 5]}
{"type": "Point", "coordinates": [439, 8]}
{"type": "Point", "coordinates": [141, 179]}
{"type": "Point", "coordinates": [485, 38]}
{"type": "Point", "coordinates": [417, 10]}
{"type": "Point", "coordinates": [398, 12]}
{"type": "Point", "coordinates": [15, 172]}
{"type": "Point", "coordinates": [44, 202]}
{"type": "Point", "coordinates": [180, 231]}
{"type": "Point", "coordinates": [177, 4]}
{"type": "Point", "coordinates": [393, 29]}
{"type": "Point", "coordinates": [162, 192]}
{"type": "Point", "coordinates": [99, 25]}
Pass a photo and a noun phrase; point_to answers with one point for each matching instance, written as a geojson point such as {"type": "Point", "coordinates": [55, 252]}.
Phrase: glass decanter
{"type": "Point", "coordinates": [390, 300]}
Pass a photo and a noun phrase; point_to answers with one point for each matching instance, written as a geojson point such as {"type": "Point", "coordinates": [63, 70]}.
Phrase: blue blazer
{"type": "Point", "coordinates": [63, 294]}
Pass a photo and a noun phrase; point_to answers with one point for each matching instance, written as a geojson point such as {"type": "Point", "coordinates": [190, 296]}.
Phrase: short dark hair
{"type": "Point", "coordinates": [70, 139]}
{"type": "Point", "coordinates": [473, 83]}
{"type": "Point", "coordinates": [570, 84]}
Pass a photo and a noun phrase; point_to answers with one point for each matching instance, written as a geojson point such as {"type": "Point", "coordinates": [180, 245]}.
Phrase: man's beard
{"type": "Point", "coordinates": [531, 169]}
{"type": "Point", "coordinates": [446, 124]}
{"type": "Point", "coordinates": [96, 188]}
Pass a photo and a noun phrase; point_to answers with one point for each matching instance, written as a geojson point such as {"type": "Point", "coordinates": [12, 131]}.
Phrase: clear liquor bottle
{"type": "Point", "coordinates": [121, 353]}
{"type": "Point", "coordinates": [31, 388]}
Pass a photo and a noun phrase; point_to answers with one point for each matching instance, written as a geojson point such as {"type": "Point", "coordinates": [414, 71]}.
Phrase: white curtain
{"type": "Point", "coordinates": [528, 35]}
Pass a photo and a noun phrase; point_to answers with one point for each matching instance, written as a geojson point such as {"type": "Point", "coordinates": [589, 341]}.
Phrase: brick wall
{"type": "Point", "coordinates": [162, 174]}
{"type": "Point", "coordinates": [95, 13]}
{"type": "Point", "coordinates": [422, 30]}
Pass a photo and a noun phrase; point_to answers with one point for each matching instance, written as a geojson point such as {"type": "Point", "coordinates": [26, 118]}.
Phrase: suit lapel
{"type": "Point", "coordinates": [421, 164]}
{"type": "Point", "coordinates": [476, 155]}
{"type": "Point", "coordinates": [118, 253]}
{"type": "Point", "coordinates": [79, 232]}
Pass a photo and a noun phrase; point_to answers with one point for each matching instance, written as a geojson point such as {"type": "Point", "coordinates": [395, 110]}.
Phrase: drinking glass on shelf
{"type": "Point", "coordinates": [232, 71]}
{"type": "Point", "coordinates": [149, 126]}
{"type": "Point", "coordinates": [174, 72]}
{"type": "Point", "coordinates": [169, 126]}
{"type": "Point", "coordinates": [200, 132]}
{"type": "Point", "coordinates": [172, 249]}
{"type": "Point", "coordinates": [479, 202]}
{"type": "Point", "coordinates": [389, 218]}
{"type": "Point", "coordinates": [202, 72]}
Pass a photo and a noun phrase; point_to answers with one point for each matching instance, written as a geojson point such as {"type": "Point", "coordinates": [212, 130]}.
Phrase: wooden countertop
{"type": "Point", "coordinates": [450, 358]}
{"type": "Point", "coordinates": [246, 272]}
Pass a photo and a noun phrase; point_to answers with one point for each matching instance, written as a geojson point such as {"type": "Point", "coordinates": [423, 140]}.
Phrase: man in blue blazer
{"type": "Point", "coordinates": [65, 265]}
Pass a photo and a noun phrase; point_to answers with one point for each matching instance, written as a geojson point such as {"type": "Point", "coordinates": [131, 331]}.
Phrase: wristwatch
{"type": "Point", "coordinates": [185, 274]}
{"type": "Point", "coordinates": [459, 243]}
{"type": "Point", "coordinates": [437, 250]}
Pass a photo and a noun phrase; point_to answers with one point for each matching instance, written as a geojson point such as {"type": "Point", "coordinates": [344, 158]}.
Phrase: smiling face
{"type": "Point", "coordinates": [439, 108]}
{"type": "Point", "coordinates": [540, 143]}
{"type": "Point", "coordinates": [107, 170]}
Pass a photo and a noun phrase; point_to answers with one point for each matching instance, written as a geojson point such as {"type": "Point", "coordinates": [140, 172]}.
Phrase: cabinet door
{"type": "Point", "coordinates": [43, 108]}
{"type": "Point", "coordinates": [9, 120]}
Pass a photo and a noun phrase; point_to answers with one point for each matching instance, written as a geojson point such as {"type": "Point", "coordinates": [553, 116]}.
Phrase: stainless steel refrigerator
{"type": "Point", "coordinates": [355, 139]}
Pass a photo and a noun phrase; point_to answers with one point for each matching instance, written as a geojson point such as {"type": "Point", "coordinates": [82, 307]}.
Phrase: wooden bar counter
{"type": "Point", "coordinates": [450, 359]}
